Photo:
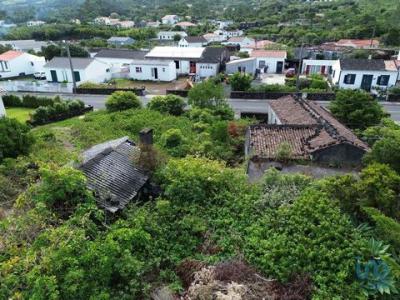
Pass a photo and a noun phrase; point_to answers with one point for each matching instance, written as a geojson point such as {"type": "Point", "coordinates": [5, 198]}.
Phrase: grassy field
{"type": "Point", "coordinates": [19, 113]}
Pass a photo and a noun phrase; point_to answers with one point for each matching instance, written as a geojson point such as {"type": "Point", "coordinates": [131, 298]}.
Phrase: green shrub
{"type": "Point", "coordinates": [319, 84]}
{"type": "Point", "coordinates": [240, 81]}
{"type": "Point", "coordinates": [120, 100]}
{"type": "Point", "coordinates": [207, 94]}
{"type": "Point", "coordinates": [12, 101]}
{"type": "Point", "coordinates": [171, 104]}
{"type": "Point", "coordinates": [58, 111]}
{"type": "Point", "coordinates": [395, 90]}
{"type": "Point", "coordinates": [311, 236]}
{"type": "Point", "coordinates": [172, 138]}
{"type": "Point", "coordinates": [15, 138]}
{"type": "Point", "coordinates": [40, 115]}
{"type": "Point", "coordinates": [266, 88]}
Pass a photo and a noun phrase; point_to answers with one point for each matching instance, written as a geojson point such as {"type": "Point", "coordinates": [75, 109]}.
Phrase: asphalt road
{"type": "Point", "coordinates": [239, 105]}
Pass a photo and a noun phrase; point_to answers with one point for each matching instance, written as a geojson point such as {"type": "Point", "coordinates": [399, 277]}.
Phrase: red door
{"type": "Point", "coordinates": [308, 70]}
{"type": "Point", "coordinates": [192, 67]}
{"type": "Point", "coordinates": [322, 70]}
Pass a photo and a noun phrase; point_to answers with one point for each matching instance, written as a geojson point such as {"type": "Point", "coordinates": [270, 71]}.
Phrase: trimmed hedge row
{"type": "Point", "coordinates": [28, 101]}
{"type": "Point", "coordinates": [108, 91]}
{"type": "Point", "coordinates": [59, 111]}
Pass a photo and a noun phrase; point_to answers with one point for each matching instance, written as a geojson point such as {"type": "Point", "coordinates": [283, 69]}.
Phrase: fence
{"type": "Point", "coordinates": [108, 91]}
{"type": "Point", "coordinates": [182, 93]}
{"type": "Point", "coordinates": [277, 95]}
{"type": "Point", "coordinates": [35, 86]}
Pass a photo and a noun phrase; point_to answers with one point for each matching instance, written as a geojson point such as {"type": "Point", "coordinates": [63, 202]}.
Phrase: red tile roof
{"type": "Point", "coordinates": [261, 44]}
{"type": "Point", "coordinates": [268, 53]}
{"type": "Point", "coordinates": [357, 43]}
{"type": "Point", "coordinates": [10, 55]}
{"type": "Point", "coordinates": [306, 127]}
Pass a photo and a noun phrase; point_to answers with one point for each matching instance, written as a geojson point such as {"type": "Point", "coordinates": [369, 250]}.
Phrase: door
{"type": "Point", "coordinates": [77, 76]}
{"type": "Point", "coordinates": [279, 67]}
{"type": "Point", "coordinates": [192, 67]}
{"type": "Point", "coordinates": [154, 73]}
{"type": "Point", "coordinates": [322, 70]}
{"type": "Point", "coordinates": [366, 82]}
{"type": "Point", "coordinates": [53, 75]}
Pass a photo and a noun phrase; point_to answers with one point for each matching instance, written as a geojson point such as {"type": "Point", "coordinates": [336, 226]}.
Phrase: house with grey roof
{"type": "Point", "coordinates": [113, 174]}
{"type": "Point", "coordinates": [366, 74]}
{"type": "Point", "coordinates": [193, 41]}
{"type": "Point", "coordinates": [84, 70]}
{"type": "Point", "coordinates": [119, 57]}
{"type": "Point", "coordinates": [119, 41]}
{"type": "Point", "coordinates": [25, 45]}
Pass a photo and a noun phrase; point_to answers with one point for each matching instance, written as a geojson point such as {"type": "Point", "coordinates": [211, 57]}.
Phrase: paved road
{"type": "Point", "coordinates": [239, 105]}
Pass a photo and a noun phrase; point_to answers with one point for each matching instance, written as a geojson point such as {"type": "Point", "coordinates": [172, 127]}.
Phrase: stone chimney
{"type": "Point", "coordinates": [146, 136]}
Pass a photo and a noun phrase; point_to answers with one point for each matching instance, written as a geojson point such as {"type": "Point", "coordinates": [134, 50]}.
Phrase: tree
{"type": "Point", "coordinates": [356, 109]}
{"type": "Point", "coordinates": [15, 138]}
{"type": "Point", "coordinates": [177, 38]}
{"type": "Point", "coordinates": [385, 149]}
{"type": "Point", "coordinates": [207, 94]}
{"type": "Point", "coordinates": [121, 100]}
{"type": "Point", "coordinates": [240, 81]}
{"type": "Point", "coordinates": [170, 104]}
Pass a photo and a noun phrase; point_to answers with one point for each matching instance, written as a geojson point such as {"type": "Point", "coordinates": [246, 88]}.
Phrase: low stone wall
{"type": "Point", "coordinates": [182, 93]}
{"type": "Point", "coordinates": [393, 98]}
{"type": "Point", "coordinates": [277, 95]}
{"type": "Point", "coordinates": [107, 91]}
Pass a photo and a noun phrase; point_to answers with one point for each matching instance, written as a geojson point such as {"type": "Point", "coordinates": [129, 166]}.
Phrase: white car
{"type": "Point", "coordinates": [39, 75]}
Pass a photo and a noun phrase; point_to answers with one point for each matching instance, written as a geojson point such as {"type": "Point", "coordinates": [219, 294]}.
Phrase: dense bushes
{"type": "Point", "coordinates": [240, 81]}
{"type": "Point", "coordinates": [170, 104]}
{"type": "Point", "coordinates": [356, 109]}
{"type": "Point", "coordinates": [15, 138]}
{"type": "Point", "coordinates": [28, 101]}
{"type": "Point", "coordinates": [122, 100]}
{"type": "Point", "coordinates": [57, 111]}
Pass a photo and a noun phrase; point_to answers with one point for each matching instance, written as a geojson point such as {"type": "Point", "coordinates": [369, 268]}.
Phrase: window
{"type": "Point", "coordinates": [383, 80]}
{"type": "Point", "coordinates": [176, 64]}
{"type": "Point", "coordinates": [163, 69]}
{"type": "Point", "coordinates": [32, 63]}
{"type": "Point", "coordinates": [138, 69]}
{"type": "Point", "coordinates": [349, 79]}
{"type": "Point", "coordinates": [6, 65]}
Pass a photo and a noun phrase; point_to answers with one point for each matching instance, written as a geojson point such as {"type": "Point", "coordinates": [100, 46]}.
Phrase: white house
{"type": "Point", "coordinates": [35, 23]}
{"type": "Point", "coordinates": [212, 37]}
{"type": "Point", "coordinates": [317, 66]}
{"type": "Point", "coordinates": [192, 41]}
{"type": "Point", "coordinates": [269, 61]}
{"type": "Point", "coordinates": [16, 63]}
{"type": "Point", "coordinates": [245, 65]}
{"type": "Point", "coordinates": [210, 62]}
{"type": "Point", "coordinates": [154, 70]}
{"type": "Point", "coordinates": [25, 45]}
{"type": "Point", "coordinates": [184, 58]}
{"type": "Point", "coordinates": [170, 35]}
{"type": "Point", "coordinates": [366, 74]}
{"type": "Point", "coordinates": [185, 25]}
{"type": "Point", "coordinates": [85, 69]}
{"type": "Point", "coordinates": [223, 24]}
{"type": "Point", "coordinates": [118, 58]}
{"type": "Point", "coordinates": [170, 19]}
{"type": "Point", "coordinates": [243, 41]}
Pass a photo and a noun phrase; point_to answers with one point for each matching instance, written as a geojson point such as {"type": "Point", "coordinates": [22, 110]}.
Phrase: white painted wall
{"type": "Point", "coordinates": [2, 108]}
{"type": "Point", "coordinates": [184, 44]}
{"type": "Point", "coordinates": [24, 64]}
{"type": "Point", "coordinates": [338, 77]}
{"type": "Point", "coordinates": [206, 69]}
{"type": "Point", "coordinates": [317, 64]}
{"type": "Point", "coordinates": [271, 63]}
{"type": "Point", "coordinates": [96, 72]}
{"type": "Point", "coordinates": [169, 35]}
{"type": "Point", "coordinates": [141, 71]}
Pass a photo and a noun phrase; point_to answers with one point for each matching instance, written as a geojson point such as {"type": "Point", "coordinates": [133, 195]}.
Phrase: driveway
{"type": "Point", "coordinates": [272, 78]}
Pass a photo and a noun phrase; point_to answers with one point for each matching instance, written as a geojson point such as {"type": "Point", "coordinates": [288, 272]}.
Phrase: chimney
{"type": "Point", "coordinates": [146, 136]}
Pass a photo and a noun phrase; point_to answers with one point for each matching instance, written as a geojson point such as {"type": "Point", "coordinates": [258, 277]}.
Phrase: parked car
{"type": "Point", "coordinates": [39, 75]}
{"type": "Point", "coordinates": [290, 73]}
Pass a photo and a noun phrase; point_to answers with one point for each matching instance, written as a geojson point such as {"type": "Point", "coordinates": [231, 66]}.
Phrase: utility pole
{"type": "Point", "coordinates": [71, 67]}
{"type": "Point", "coordinates": [299, 68]}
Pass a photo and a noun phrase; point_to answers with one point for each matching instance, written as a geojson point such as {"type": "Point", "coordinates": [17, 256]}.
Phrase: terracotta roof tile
{"type": "Point", "coordinates": [306, 127]}
{"type": "Point", "coordinates": [269, 53]}
{"type": "Point", "coordinates": [10, 55]}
